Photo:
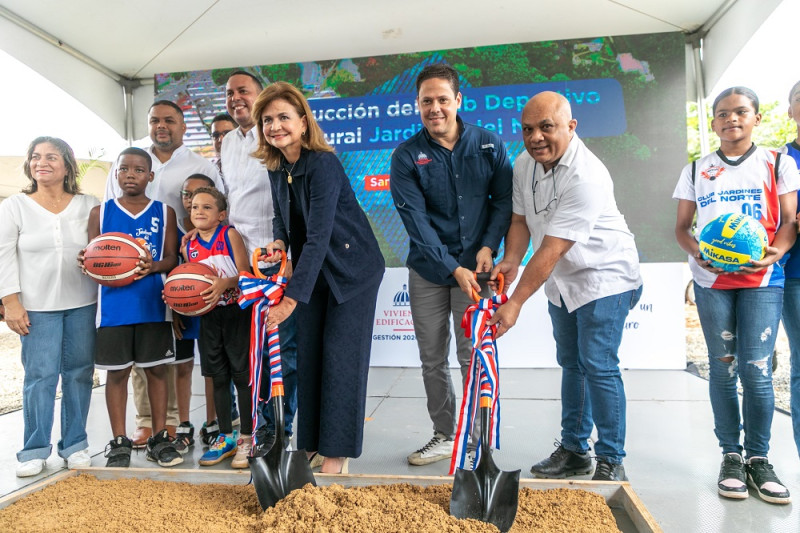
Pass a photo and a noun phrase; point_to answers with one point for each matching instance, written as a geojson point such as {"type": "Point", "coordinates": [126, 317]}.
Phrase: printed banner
{"type": "Point", "coordinates": [654, 337]}
{"type": "Point", "coordinates": [628, 95]}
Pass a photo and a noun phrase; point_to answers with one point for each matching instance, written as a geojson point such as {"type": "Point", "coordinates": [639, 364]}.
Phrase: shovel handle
{"type": "Point", "coordinates": [483, 277]}
{"type": "Point", "coordinates": [277, 390]}
{"type": "Point", "coordinates": [261, 253]}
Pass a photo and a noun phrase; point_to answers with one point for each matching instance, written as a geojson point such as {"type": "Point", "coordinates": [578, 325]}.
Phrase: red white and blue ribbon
{"type": "Point", "coordinates": [482, 379]}
{"type": "Point", "coordinates": [262, 293]}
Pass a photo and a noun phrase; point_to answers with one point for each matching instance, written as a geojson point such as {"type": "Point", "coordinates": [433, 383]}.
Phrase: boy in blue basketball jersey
{"type": "Point", "coordinates": [133, 323]}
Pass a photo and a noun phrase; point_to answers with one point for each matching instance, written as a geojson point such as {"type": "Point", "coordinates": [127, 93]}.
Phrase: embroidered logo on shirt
{"type": "Point", "coordinates": [423, 159]}
{"type": "Point", "coordinates": [485, 146]}
{"type": "Point", "coordinates": [712, 172]}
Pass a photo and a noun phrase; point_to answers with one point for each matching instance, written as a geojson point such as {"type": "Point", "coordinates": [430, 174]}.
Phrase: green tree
{"type": "Point", "coordinates": [337, 77]}
{"type": "Point", "coordinates": [85, 166]}
{"type": "Point", "coordinates": [775, 130]}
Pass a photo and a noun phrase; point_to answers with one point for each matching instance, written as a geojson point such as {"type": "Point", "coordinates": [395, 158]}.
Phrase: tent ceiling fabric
{"type": "Point", "coordinates": [140, 38]}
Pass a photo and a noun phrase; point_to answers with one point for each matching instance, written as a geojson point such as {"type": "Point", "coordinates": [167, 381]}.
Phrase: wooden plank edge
{"type": "Point", "coordinates": [27, 490]}
{"type": "Point", "coordinates": [636, 510]}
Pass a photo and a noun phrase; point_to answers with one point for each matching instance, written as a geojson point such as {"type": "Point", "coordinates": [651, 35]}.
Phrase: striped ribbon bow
{"type": "Point", "coordinates": [262, 293]}
{"type": "Point", "coordinates": [482, 378]}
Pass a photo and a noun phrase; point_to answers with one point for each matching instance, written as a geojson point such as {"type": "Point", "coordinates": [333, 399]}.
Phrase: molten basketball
{"type": "Point", "coordinates": [733, 240]}
{"type": "Point", "coordinates": [111, 259]}
{"type": "Point", "coordinates": [183, 287]}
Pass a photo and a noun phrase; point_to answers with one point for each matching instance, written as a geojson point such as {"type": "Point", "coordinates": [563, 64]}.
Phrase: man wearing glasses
{"type": "Point", "coordinates": [451, 185]}
{"type": "Point", "coordinates": [221, 125]}
{"type": "Point", "coordinates": [173, 162]}
{"type": "Point", "coordinates": [587, 260]}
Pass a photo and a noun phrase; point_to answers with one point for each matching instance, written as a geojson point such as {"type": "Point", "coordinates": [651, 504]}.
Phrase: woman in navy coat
{"type": "Point", "coordinates": [337, 270]}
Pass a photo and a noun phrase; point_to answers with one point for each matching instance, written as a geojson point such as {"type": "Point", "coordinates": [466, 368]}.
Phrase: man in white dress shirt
{"type": "Point", "coordinates": [173, 162]}
{"type": "Point", "coordinates": [250, 211]}
{"type": "Point", "coordinates": [586, 258]}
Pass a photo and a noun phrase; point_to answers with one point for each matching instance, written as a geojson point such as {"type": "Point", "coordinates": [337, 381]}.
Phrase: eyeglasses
{"type": "Point", "coordinates": [536, 210]}
{"type": "Point", "coordinates": [217, 135]}
{"type": "Point", "coordinates": [186, 194]}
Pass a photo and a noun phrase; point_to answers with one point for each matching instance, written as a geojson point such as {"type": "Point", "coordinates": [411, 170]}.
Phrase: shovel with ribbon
{"type": "Point", "coordinates": [278, 472]}
{"type": "Point", "coordinates": [484, 493]}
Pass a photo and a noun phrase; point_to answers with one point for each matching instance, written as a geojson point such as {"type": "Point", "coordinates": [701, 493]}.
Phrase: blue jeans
{"type": "Point", "coordinates": [791, 322]}
{"type": "Point", "coordinates": [741, 325]}
{"type": "Point", "coordinates": [592, 393]}
{"type": "Point", "coordinates": [60, 343]}
{"type": "Point", "coordinates": [287, 333]}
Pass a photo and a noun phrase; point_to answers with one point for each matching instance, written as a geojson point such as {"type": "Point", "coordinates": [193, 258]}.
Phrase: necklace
{"type": "Point", "coordinates": [289, 171]}
{"type": "Point", "coordinates": [54, 203]}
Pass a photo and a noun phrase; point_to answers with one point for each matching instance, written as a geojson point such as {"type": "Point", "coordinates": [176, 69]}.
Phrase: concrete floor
{"type": "Point", "coordinates": [673, 457]}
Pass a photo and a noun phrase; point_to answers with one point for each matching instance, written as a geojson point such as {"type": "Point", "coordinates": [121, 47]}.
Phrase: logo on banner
{"type": "Point", "coordinates": [401, 298]}
{"type": "Point", "coordinates": [393, 321]}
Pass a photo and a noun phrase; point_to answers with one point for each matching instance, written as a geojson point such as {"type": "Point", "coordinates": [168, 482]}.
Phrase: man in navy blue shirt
{"type": "Point", "coordinates": [451, 184]}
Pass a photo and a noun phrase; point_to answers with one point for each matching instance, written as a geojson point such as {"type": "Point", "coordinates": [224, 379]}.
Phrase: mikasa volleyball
{"type": "Point", "coordinates": [733, 240]}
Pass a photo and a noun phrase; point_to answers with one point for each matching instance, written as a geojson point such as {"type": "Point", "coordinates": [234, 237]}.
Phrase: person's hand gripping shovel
{"type": "Point", "coordinates": [485, 493]}
{"type": "Point", "coordinates": [277, 472]}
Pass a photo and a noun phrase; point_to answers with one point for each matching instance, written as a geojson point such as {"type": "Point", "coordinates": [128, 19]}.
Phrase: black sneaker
{"type": "Point", "coordinates": [118, 452]}
{"type": "Point", "coordinates": [563, 463]}
{"type": "Point", "coordinates": [732, 481]}
{"type": "Point", "coordinates": [265, 438]}
{"type": "Point", "coordinates": [761, 477]}
{"type": "Point", "coordinates": [606, 471]}
{"type": "Point", "coordinates": [161, 450]}
{"type": "Point", "coordinates": [184, 437]}
{"type": "Point", "coordinates": [209, 433]}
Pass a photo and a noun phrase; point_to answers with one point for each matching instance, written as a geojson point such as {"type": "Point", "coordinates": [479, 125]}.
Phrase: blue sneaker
{"type": "Point", "coordinates": [225, 446]}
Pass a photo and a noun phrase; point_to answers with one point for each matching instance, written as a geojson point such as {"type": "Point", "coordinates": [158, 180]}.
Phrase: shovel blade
{"type": "Point", "coordinates": [487, 494]}
{"type": "Point", "coordinates": [278, 473]}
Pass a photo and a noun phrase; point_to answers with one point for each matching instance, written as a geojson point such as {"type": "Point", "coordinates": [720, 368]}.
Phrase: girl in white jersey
{"type": "Point", "coordinates": [740, 311]}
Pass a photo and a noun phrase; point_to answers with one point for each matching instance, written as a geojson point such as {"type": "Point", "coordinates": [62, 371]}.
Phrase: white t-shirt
{"type": "Point", "coordinates": [39, 253]}
{"type": "Point", "coordinates": [169, 177]}
{"type": "Point", "coordinates": [246, 179]}
{"type": "Point", "coordinates": [575, 201]}
{"type": "Point", "coordinates": [747, 186]}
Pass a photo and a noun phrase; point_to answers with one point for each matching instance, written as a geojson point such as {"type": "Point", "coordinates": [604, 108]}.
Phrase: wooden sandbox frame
{"type": "Point", "coordinates": [628, 510]}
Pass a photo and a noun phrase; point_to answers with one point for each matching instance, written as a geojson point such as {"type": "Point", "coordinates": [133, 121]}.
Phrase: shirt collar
{"type": "Point", "coordinates": [175, 154]}
{"type": "Point", "coordinates": [569, 154]}
{"type": "Point", "coordinates": [249, 135]}
{"type": "Point", "coordinates": [565, 161]}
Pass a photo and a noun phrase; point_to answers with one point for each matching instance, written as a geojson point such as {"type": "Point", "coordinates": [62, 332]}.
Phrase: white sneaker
{"type": "Point", "coordinates": [30, 468]}
{"type": "Point", "coordinates": [437, 449]}
{"type": "Point", "coordinates": [242, 452]}
{"type": "Point", "coordinates": [79, 459]}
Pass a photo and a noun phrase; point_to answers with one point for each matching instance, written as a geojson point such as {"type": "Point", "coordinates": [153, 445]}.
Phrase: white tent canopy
{"type": "Point", "coordinates": [105, 53]}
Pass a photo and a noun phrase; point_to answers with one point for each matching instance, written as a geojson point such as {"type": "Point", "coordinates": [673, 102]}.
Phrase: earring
{"type": "Point", "coordinates": [304, 133]}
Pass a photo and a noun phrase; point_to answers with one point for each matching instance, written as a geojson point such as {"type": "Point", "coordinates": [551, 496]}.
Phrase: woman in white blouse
{"type": "Point", "coordinates": [49, 302]}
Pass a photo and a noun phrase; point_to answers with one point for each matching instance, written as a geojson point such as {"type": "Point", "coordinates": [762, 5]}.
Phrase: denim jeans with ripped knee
{"type": "Point", "coordinates": [740, 327]}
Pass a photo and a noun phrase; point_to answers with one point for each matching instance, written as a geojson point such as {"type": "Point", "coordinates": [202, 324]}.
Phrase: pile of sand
{"type": "Point", "coordinates": [84, 504]}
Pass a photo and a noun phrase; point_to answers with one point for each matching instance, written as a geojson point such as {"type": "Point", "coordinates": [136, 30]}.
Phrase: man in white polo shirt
{"type": "Point", "coordinates": [173, 162]}
{"type": "Point", "coordinates": [250, 211]}
{"type": "Point", "coordinates": [586, 258]}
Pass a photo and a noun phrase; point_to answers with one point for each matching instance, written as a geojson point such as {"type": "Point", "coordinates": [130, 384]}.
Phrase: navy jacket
{"type": "Point", "coordinates": [339, 239]}
{"type": "Point", "coordinates": [452, 203]}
